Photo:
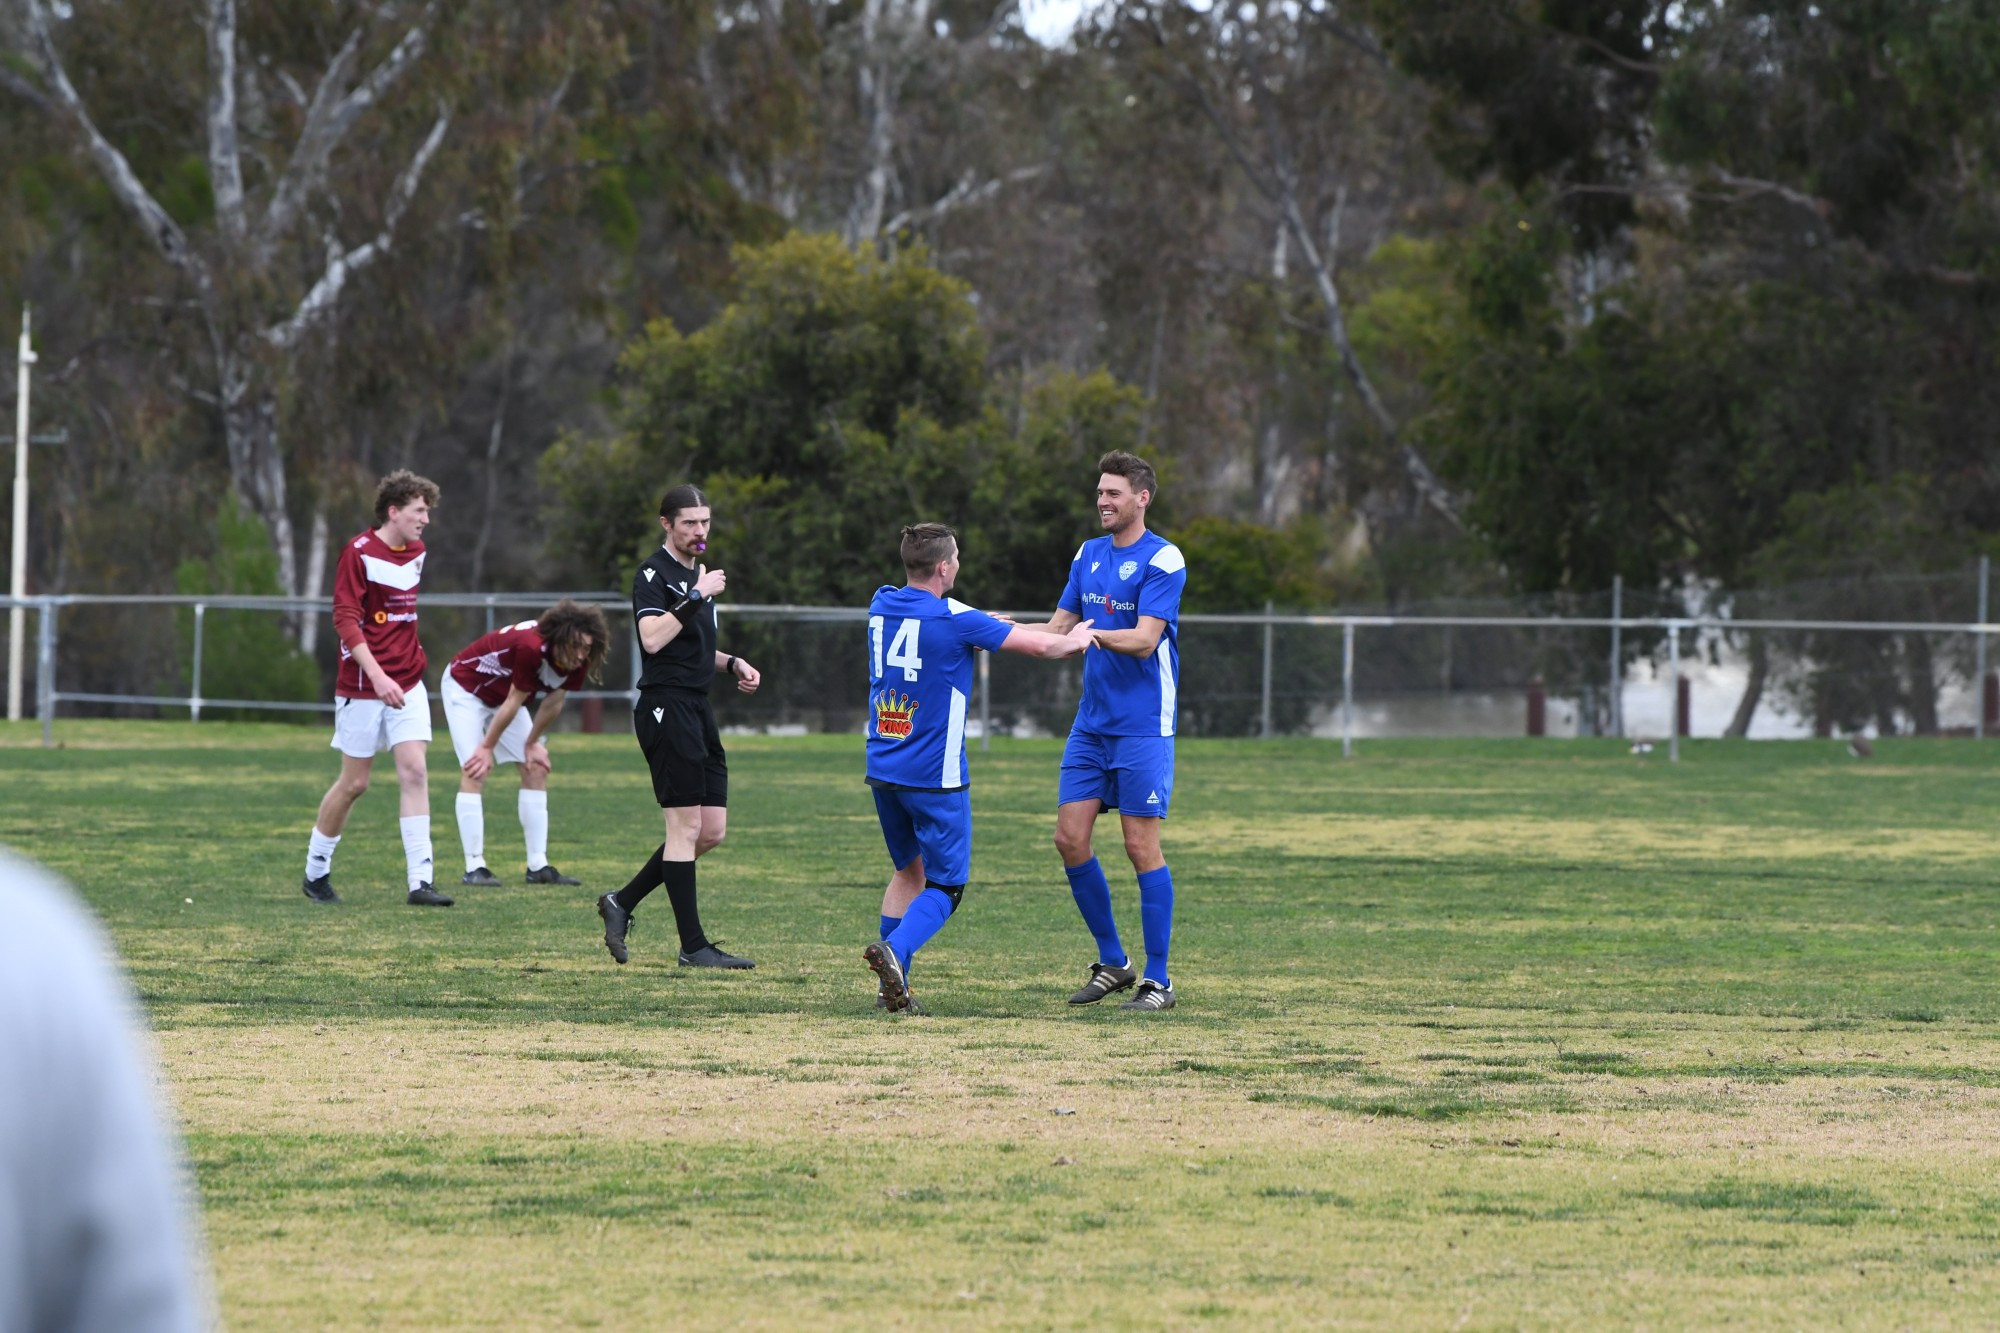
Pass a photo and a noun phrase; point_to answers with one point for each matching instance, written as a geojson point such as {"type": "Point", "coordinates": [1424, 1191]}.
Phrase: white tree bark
{"type": "Point", "coordinates": [245, 388]}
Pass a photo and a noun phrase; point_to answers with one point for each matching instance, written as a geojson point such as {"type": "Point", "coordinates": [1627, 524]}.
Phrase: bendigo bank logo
{"type": "Point", "coordinates": [892, 715]}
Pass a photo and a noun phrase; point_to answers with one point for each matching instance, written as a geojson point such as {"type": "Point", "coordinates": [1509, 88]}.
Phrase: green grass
{"type": "Point", "coordinates": [1482, 1034]}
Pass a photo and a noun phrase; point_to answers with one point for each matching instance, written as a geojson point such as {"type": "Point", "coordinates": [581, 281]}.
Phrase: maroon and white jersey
{"type": "Point", "coordinates": [375, 602]}
{"type": "Point", "coordinates": [509, 659]}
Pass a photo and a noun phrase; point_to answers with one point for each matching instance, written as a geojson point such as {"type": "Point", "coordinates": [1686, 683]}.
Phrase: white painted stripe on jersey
{"type": "Point", "coordinates": [1170, 690]}
{"type": "Point", "coordinates": [956, 605]}
{"type": "Point", "coordinates": [1168, 559]}
{"type": "Point", "coordinates": [954, 744]}
{"type": "Point", "coordinates": [387, 572]}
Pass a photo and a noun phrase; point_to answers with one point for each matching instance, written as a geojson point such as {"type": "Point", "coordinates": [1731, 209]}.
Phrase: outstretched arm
{"type": "Point", "coordinates": [1030, 642]}
{"type": "Point", "coordinates": [1139, 641]}
{"type": "Point", "coordinates": [1062, 622]}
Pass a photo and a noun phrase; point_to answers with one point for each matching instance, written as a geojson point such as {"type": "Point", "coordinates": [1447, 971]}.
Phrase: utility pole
{"type": "Point", "coordinates": [17, 617]}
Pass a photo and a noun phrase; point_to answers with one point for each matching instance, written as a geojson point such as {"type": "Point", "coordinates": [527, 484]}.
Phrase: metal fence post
{"type": "Point", "coordinates": [1979, 659]}
{"type": "Point", "coordinates": [194, 703]}
{"type": "Point", "coordinates": [1674, 703]}
{"type": "Point", "coordinates": [1617, 655]}
{"type": "Point", "coordinates": [1347, 689]}
{"type": "Point", "coordinates": [489, 613]}
{"type": "Point", "coordinates": [45, 672]}
{"type": "Point", "coordinates": [985, 701]}
{"type": "Point", "coordinates": [1264, 699]}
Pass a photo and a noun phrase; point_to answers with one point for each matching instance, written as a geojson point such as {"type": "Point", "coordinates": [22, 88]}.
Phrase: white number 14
{"type": "Point", "coordinates": [902, 648]}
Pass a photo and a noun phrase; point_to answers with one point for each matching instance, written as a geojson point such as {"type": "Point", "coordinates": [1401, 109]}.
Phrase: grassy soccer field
{"type": "Point", "coordinates": [1471, 1034]}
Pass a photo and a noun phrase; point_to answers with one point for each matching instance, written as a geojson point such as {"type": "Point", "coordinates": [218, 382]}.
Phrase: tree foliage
{"type": "Point", "coordinates": [835, 399]}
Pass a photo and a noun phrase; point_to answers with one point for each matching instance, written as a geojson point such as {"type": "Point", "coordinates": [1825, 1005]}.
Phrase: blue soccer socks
{"type": "Point", "coordinates": [1156, 914]}
{"type": "Point", "coordinates": [921, 920]}
{"type": "Point", "coordinates": [889, 924]}
{"type": "Point", "coordinates": [1093, 898]}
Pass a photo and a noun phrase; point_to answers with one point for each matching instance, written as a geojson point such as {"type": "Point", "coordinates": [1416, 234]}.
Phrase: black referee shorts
{"type": "Point", "coordinates": [683, 749]}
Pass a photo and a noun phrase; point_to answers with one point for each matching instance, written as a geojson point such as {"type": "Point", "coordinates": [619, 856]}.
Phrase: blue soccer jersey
{"type": "Point", "coordinates": [1112, 586]}
{"type": "Point", "coordinates": [920, 667]}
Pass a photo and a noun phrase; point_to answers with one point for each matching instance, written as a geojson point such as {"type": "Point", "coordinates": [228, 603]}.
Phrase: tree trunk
{"type": "Point", "coordinates": [1922, 692]}
{"type": "Point", "coordinates": [315, 581]}
{"type": "Point", "coordinates": [256, 469]}
{"type": "Point", "coordinates": [1753, 689]}
{"type": "Point", "coordinates": [493, 439]}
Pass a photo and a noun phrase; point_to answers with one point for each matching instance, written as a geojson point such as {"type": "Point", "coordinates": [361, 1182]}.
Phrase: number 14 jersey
{"type": "Point", "coordinates": [920, 665]}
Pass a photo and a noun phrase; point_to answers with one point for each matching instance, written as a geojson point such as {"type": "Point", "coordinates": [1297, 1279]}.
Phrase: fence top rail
{"type": "Point", "coordinates": [790, 611]}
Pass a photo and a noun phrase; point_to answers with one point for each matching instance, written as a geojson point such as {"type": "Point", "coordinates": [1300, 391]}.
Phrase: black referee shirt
{"type": "Point", "coordinates": [687, 663]}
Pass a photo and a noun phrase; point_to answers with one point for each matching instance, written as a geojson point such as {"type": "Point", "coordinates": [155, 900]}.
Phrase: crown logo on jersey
{"type": "Point", "coordinates": [892, 715]}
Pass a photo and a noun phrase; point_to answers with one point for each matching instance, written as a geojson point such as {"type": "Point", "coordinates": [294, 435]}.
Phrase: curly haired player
{"type": "Point", "coordinates": [485, 692]}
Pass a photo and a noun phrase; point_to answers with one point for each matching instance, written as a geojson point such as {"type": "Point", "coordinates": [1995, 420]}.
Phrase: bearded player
{"type": "Point", "coordinates": [921, 643]}
{"type": "Point", "coordinates": [379, 698]}
{"type": "Point", "coordinates": [673, 607]}
{"type": "Point", "coordinates": [486, 691]}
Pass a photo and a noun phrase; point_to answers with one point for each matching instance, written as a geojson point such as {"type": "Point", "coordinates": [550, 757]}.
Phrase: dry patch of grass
{"type": "Point", "coordinates": [1559, 838]}
{"type": "Point", "coordinates": [798, 1169]}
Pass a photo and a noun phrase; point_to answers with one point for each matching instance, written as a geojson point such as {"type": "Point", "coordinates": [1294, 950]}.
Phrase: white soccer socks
{"type": "Point", "coordinates": [534, 808]}
{"type": "Point", "coordinates": [417, 848]}
{"type": "Point", "coordinates": [319, 854]}
{"type": "Point", "coordinates": [471, 808]}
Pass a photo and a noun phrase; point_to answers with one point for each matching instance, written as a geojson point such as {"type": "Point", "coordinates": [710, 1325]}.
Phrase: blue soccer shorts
{"type": "Point", "coordinates": [936, 825]}
{"type": "Point", "coordinates": [1132, 774]}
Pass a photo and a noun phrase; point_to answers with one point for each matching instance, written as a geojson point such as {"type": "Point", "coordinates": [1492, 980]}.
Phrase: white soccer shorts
{"type": "Point", "coordinates": [468, 719]}
{"type": "Point", "coordinates": [364, 728]}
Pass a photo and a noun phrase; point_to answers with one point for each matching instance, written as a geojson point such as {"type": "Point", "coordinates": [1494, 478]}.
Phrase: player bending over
{"type": "Point", "coordinates": [379, 698]}
{"type": "Point", "coordinates": [920, 660]}
{"type": "Point", "coordinates": [485, 690]}
{"type": "Point", "coordinates": [1121, 747]}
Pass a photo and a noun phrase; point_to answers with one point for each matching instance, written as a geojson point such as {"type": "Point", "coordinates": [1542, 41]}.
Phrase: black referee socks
{"type": "Point", "coordinates": [679, 879]}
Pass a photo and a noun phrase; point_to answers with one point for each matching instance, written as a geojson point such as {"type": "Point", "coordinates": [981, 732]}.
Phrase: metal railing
{"type": "Point", "coordinates": [1610, 631]}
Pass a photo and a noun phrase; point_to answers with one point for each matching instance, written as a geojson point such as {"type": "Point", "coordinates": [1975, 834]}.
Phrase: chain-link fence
{"type": "Point", "coordinates": [1869, 655]}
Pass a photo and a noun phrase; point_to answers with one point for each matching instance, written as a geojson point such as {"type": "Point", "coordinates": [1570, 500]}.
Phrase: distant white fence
{"type": "Point", "coordinates": [1299, 671]}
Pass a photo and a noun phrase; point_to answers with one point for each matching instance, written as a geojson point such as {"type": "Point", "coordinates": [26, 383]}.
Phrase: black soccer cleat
{"type": "Point", "coordinates": [881, 960]}
{"type": "Point", "coordinates": [321, 890]}
{"type": "Point", "coordinates": [549, 875]}
{"type": "Point", "coordinates": [1151, 995]}
{"type": "Point", "coordinates": [426, 896]}
{"type": "Point", "coordinates": [481, 878]}
{"type": "Point", "coordinates": [710, 956]}
{"type": "Point", "coordinates": [1104, 980]}
{"type": "Point", "coordinates": [616, 922]}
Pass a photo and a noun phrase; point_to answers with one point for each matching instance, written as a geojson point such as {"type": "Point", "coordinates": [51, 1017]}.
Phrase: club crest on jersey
{"type": "Point", "coordinates": [893, 715]}
{"type": "Point", "coordinates": [1125, 570]}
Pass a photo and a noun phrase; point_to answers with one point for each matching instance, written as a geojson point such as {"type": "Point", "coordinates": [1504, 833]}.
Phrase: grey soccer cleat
{"type": "Point", "coordinates": [1151, 995]}
{"type": "Point", "coordinates": [710, 956]}
{"type": "Point", "coordinates": [1104, 980]}
{"type": "Point", "coordinates": [321, 890]}
{"type": "Point", "coordinates": [426, 896]}
{"type": "Point", "coordinates": [550, 875]}
{"type": "Point", "coordinates": [881, 960]}
{"type": "Point", "coordinates": [616, 922]}
{"type": "Point", "coordinates": [482, 878]}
